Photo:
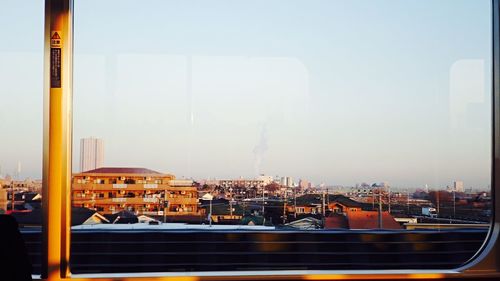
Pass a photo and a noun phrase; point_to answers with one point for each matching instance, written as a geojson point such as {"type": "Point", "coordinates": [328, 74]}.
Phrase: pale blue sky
{"type": "Point", "coordinates": [330, 91]}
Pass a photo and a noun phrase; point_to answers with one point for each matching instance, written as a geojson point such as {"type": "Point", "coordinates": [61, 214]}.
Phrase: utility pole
{"type": "Point", "coordinates": [380, 210]}
{"type": "Point", "coordinates": [323, 205]}
{"type": "Point", "coordinates": [263, 200]}
{"type": "Point", "coordinates": [263, 203]}
{"type": "Point", "coordinates": [158, 203]}
{"type": "Point", "coordinates": [453, 204]}
{"type": "Point", "coordinates": [165, 206]}
{"type": "Point", "coordinates": [294, 204]}
{"type": "Point", "coordinates": [373, 199]}
{"type": "Point", "coordinates": [389, 195]}
{"type": "Point", "coordinates": [231, 202]}
{"type": "Point", "coordinates": [437, 196]}
{"type": "Point", "coordinates": [327, 196]}
{"type": "Point", "coordinates": [12, 196]}
{"type": "Point", "coordinates": [408, 200]}
{"type": "Point", "coordinates": [284, 208]}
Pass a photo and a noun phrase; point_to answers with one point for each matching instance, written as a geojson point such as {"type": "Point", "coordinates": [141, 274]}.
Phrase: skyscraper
{"type": "Point", "coordinates": [286, 181]}
{"type": "Point", "coordinates": [458, 186]}
{"type": "Point", "coordinates": [91, 154]}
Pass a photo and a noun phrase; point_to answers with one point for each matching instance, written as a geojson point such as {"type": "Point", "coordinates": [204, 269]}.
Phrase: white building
{"type": "Point", "coordinates": [286, 181]}
{"type": "Point", "coordinates": [265, 179]}
{"type": "Point", "coordinates": [458, 186]}
{"type": "Point", "coordinates": [91, 154]}
{"type": "Point", "coordinates": [303, 184]}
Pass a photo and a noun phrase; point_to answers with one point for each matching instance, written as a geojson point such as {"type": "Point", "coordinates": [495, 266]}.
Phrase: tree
{"type": "Point", "coordinates": [272, 187]}
{"type": "Point", "coordinates": [441, 195]}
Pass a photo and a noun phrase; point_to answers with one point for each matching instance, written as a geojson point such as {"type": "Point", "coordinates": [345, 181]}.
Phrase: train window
{"type": "Point", "coordinates": [311, 135]}
{"type": "Point", "coordinates": [249, 137]}
{"type": "Point", "coordinates": [21, 107]}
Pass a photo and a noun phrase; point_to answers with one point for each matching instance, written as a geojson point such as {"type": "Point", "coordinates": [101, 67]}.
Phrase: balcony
{"type": "Point", "coordinates": [183, 213]}
{"type": "Point", "coordinates": [182, 201]}
{"type": "Point", "coordinates": [137, 186]}
{"type": "Point", "coordinates": [111, 187]}
{"type": "Point", "coordinates": [134, 200]}
{"type": "Point", "coordinates": [118, 200]}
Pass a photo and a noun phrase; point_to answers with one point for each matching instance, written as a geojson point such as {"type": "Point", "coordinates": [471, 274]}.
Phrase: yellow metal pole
{"type": "Point", "coordinates": [57, 138]}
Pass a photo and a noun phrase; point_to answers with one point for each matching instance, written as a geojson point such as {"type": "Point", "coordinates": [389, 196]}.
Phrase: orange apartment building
{"type": "Point", "coordinates": [142, 191]}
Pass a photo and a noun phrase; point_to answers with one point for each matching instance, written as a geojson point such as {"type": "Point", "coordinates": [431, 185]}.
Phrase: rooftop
{"type": "Point", "coordinates": [369, 220]}
{"type": "Point", "coordinates": [318, 199]}
{"type": "Point", "coordinates": [121, 170]}
{"type": "Point", "coordinates": [361, 220]}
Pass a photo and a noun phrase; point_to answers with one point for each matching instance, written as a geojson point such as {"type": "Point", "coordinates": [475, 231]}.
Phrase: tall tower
{"type": "Point", "coordinates": [91, 154]}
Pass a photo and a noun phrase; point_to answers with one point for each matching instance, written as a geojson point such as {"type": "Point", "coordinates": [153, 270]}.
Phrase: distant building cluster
{"type": "Point", "coordinates": [107, 195]}
{"type": "Point", "coordinates": [260, 181]}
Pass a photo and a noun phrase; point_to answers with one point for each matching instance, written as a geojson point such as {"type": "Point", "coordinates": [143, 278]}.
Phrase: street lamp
{"type": "Point", "coordinates": [454, 209]}
{"type": "Point", "coordinates": [209, 196]}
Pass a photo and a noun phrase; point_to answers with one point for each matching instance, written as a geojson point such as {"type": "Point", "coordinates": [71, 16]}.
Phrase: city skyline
{"type": "Point", "coordinates": [290, 181]}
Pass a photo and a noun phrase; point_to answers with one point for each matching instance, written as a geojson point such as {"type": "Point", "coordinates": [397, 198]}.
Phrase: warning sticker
{"type": "Point", "coordinates": [55, 39]}
{"type": "Point", "coordinates": [55, 67]}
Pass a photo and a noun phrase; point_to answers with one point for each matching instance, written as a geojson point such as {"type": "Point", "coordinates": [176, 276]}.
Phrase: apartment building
{"type": "Point", "coordinates": [139, 190]}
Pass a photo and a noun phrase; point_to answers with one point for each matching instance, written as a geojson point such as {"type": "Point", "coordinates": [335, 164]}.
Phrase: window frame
{"type": "Point", "coordinates": [57, 172]}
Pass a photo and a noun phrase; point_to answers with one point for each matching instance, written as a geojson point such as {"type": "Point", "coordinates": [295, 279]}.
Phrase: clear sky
{"type": "Point", "coordinates": [338, 92]}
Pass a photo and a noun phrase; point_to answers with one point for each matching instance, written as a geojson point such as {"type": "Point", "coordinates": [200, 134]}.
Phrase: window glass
{"type": "Point", "coordinates": [293, 118]}
{"type": "Point", "coordinates": [21, 107]}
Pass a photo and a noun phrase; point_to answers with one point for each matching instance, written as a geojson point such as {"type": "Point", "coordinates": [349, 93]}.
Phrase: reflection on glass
{"type": "Point", "coordinates": [297, 115]}
{"type": "Point", "coordinates": [21, 105]}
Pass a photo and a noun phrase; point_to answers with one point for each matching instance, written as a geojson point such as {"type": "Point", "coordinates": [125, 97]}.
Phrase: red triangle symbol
{"type": "Point", "coordinates": [55, 36]}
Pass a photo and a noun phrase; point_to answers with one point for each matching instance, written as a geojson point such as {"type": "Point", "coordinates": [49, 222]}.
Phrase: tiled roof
{"type": "Point", "coordinates": [78, 216]}
{"type": "Point", "coordinates": [318, 199]}
{"type": "Point", "coordinates": [369, 220]}
{"type": "Point", "coordinates": [121, 170]}
{"type": "Point", "coordinates": [336, 221]}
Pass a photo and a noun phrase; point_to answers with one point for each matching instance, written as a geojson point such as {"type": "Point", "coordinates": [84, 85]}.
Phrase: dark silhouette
{"type": "Point", "coordinates": [14, 261]}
